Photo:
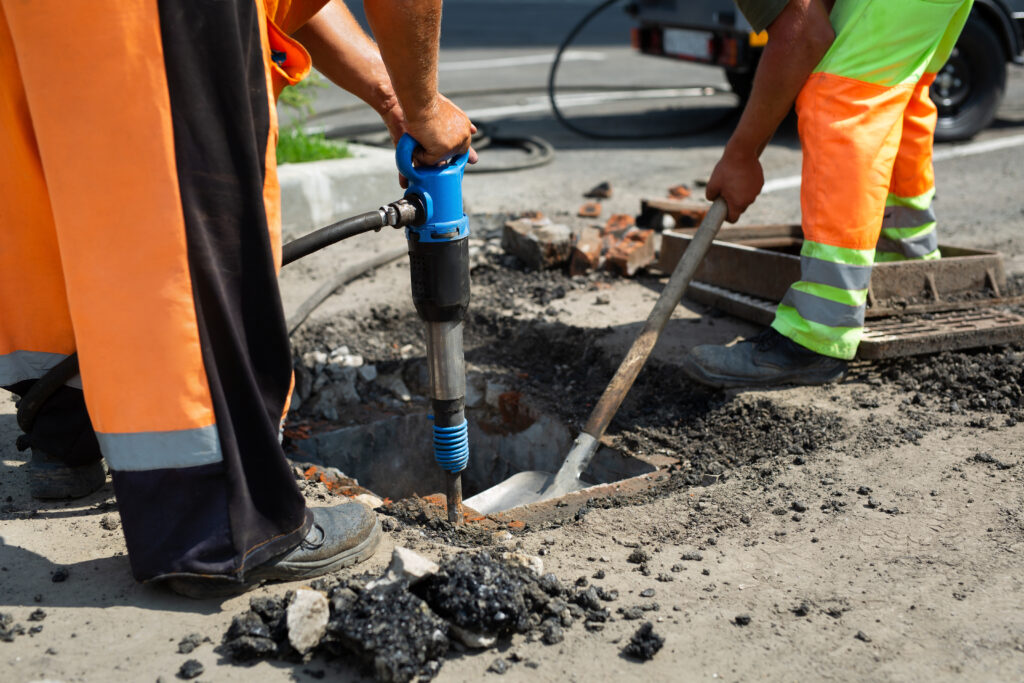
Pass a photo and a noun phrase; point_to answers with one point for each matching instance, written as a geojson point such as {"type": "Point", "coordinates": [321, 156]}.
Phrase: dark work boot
{"type": "Point", "coordinates": [767, 359]}
{"type": "Point", "coordinates": [340, 536]}
{"type": "Point", "coordinates": [49, 478]}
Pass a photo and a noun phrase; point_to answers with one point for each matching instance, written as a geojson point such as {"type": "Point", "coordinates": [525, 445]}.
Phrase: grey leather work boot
{"type": "Point", "coordinates": [340, 536]}
{"type": "Point", "coordinates": [49, 478]}
{"type": "Point", "coordinates": [767, 359]}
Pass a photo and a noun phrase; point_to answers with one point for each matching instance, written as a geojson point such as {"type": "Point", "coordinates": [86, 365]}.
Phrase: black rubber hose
{"type": "Point", "coordinates": [64, 371]}
{"type": "Point", "coordinates": [343, 229]}
{"type": "Point", "coordinates": [597, 135]}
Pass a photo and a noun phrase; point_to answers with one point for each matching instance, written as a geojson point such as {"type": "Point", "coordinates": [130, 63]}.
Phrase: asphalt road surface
{"type": "Point", "coordinates": [495, 61]}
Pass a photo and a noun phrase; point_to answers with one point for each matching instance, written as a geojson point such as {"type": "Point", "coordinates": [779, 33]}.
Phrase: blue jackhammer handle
{"type": "Point", "coordinates": [417, 174]}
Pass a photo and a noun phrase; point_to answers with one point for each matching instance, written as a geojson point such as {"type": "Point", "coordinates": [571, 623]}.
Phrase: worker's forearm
{"type": "Point", "coordinates": [408, 32]}
{"type": "Point", "coordinates": [797, 40]}
{"type": "Point", "coordinates": [343, 53]}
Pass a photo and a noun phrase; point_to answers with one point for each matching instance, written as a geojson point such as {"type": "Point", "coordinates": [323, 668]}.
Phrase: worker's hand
{"type": "Point", "coordinates": [738, 179]}
{"type": "Point", "coordinates": [443, 131]}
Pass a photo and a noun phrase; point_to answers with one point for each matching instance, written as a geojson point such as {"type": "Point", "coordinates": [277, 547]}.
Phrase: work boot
{"type": "Point", "coordinates": [340, 536]}
{"type": "Point", "coordinates": [49, 478]}
{"type": "Point", "coordinates": [767, 359]}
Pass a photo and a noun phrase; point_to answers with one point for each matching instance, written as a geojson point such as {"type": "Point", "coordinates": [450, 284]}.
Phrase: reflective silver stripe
{"type": "Point", "coordinates": [161, 450]}
{"type": "Point", "coordinates": [839, 275]}
{"type": "Point", "coordinates": [911, 247]}
{"type": "Point", "coordinates": [905, 217]}
{"type": "Point", "coordinates": [823, 311]}
{"type": "Point", "coordinates": [21, 365]}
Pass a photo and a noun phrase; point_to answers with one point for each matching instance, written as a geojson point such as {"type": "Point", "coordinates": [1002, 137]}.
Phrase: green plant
{"type": "Point", "coordinates": [294, 145]}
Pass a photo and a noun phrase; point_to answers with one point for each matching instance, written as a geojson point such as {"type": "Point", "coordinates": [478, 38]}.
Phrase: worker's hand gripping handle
{"type": "Point", "coordinates": [439, 189]}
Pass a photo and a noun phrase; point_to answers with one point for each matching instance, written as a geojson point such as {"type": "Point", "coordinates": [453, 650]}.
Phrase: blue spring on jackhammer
{"type": "Point", "coordinates": [451, 447]}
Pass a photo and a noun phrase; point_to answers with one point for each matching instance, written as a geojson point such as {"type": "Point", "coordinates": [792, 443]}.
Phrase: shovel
{"type": "Point", "coordinates": [531, 487]}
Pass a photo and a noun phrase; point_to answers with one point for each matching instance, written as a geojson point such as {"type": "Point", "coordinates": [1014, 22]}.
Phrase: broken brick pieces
{"type": "Point", "coordinates": [590, 210]}
{"type": "Point", "coordinates": [678, 192]}
{"type": "Point", "coordinates": [631, 253]}
{"type": "Point", "coordinates": [538, 243]}
{"type": "Point", "coordinates": [586, 252]}
{"type": "Point", "coordinates": [617, 224]}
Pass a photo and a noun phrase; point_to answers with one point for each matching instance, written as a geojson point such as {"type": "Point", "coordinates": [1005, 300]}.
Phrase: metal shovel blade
{"type": "Point", "coordinates": [522, 488]}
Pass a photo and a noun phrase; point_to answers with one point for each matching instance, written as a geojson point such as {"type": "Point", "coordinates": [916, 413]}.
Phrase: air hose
{"type": "Point", "coordinates": [397, 214]}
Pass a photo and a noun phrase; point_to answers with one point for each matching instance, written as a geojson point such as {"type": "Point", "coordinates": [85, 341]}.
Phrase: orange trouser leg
{"type": "Point", "coordinates": [152, 121]}
{"type": "Point", "coordinates": [35, 324]}
{"type": "Point", "coordinates": [908, 226]}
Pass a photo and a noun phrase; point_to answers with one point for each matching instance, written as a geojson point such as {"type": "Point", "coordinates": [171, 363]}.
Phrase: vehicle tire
{"type": "Point", "coordinates": [970, 86]}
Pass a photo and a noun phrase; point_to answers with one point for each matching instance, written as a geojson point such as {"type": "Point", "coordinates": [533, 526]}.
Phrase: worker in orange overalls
{"type": "Point", "coordinates": [141, 228]}
{"type": "Point", "coordinates": [859, 72]}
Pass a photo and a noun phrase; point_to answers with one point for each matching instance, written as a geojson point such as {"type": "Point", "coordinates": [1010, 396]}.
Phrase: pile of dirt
{"type": "Point", "coordinates": [398, 632]}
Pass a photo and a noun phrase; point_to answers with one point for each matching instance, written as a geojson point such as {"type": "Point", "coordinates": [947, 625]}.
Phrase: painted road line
{"type": "Point", "coordinates": [523, 60]}
{"type": "Point", "coordinates": [941, 154]}
{"type": "Point", "coordinates": [541, 104]}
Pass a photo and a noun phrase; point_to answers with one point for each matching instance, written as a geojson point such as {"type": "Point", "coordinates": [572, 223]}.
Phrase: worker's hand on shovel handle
{"type": "Point", "coordinates": [738, 179]}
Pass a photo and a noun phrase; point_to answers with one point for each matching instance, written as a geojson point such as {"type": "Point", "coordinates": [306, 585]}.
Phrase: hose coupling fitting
{"type": "Point", "coordinates": [405, 211]}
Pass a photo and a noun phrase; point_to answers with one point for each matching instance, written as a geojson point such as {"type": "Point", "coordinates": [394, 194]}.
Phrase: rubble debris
{"type": "Point", "coordinates": [60, 575]}
{"type": "Point", "coordinates": [110, 522]}
{"type": "Point", "coordinates": [631, 253]}
{"type": "Point", "coordinates": [589, 210]}
{"type": "Point", "coordinates": [638, 556]}
{"type": "Point", "coordinates": [742, 620]}
{"type": "Point", "coordinates": [483, 595]}
{"type": "Point", "coordinates": [586, 251]}
{"type": "Point", "coordinates": [189, 643]}
{"type": "Point", "coordinates": [691, 556]}
{"type": "Point", "coordinates": [498, 666]}
{"type": "Point", "coordinates": [617, 224]}
{"type": "Point", "coordinates": [306, 619]}
{"type": "Point", "coordinates": [538, 246]}
{"type": "Point", "coordinates": [602, 190]}
{"type": "Point", "coordinates": [863, 637]}
{"type": "Point", "coordinates": [679, 192]}
{"type": "Point", "coordinates": [644, 644]}
{"type": "Point", "coordinates": [249, 638]}
{"type": "Point", "coordinates": [9, 629]}
{"type": "Point", "coordinates": [391, 631]}
{"type": "Point", "coordinates": [192, 668]}
{"type": "Point", "coordinates": [37, 615]}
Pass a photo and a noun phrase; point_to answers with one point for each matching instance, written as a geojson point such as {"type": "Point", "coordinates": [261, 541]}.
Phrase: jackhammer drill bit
{"type": "Point", "coordinates": [439, 273]}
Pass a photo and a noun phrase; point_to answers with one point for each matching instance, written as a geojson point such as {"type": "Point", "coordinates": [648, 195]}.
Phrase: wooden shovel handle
{"type": "Point", "coordinates": [634, 361]}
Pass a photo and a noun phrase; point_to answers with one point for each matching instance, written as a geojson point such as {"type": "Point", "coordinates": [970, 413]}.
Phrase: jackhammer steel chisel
{"type": "Point", "coordinates": [439, 271]}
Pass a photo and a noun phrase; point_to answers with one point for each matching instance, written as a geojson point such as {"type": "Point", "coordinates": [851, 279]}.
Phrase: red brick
{"type": "Point", "coordinates": [633, 252]}
{"type": "Point", "coordinates": [586, 252]}
{"type": "Point", "coordinates": [590, 210]}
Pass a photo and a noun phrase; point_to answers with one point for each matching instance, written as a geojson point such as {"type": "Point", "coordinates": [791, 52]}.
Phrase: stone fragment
{"type": "Point", "coordinates": [406, 565]}
{"type": "Point", "coordinates": [589, 210]}
{"type": "Point", "coordinates": [307, 619]}
{"type": "Point", "coordinates": [531, 562]}
{"type": "Point", "coordinates": [473, 640]}
{"type": "Point", "coordinates": [645, 643]}
{"type": "Point", "coordinates": [537, 246]}
{"type": "Point", "coordinates": [633, 252]}
{"type": "Point", "coordinates": [617, 224]}
{"type": "Point", "coordinates": [191, 669]}
{"type": "Point", "coordinates": [586, 252]}
{"type": "Point", "coordinates": [600, 191]}
{"type": "Point", "coordinates": [369, 500]}
{"type": "Point", "coordinates": [498, 666]}
{"type": "Point", "coordinates": [367, 373]}
{"type": "Point", "coordinates": [396, 385]}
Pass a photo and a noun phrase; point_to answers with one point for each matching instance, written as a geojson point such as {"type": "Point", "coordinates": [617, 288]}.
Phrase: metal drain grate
{"type": "Point", "coordinates": [888, 337]}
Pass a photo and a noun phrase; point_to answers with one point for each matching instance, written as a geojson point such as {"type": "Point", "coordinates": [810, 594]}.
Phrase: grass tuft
{"type": "Point", "coordinates": [295, 146]}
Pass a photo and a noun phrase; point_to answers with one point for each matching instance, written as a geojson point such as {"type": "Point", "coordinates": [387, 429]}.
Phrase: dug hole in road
{"type": "Point", "coordinates": [871, 530]}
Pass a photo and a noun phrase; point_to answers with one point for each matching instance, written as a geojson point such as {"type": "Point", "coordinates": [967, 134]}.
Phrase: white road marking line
{"type": "Point", "coordinates": [567, 101]}
{"type": "Point", "coordinates": [954, 152]}
{"type": "Point", "coordinates": [524, 60]}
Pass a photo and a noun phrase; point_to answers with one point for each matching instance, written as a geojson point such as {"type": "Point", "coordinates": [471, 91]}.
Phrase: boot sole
{"type": "Point", "coordinates": [699, 374]}
{"type": "Point", "coordinates": [206, 588]}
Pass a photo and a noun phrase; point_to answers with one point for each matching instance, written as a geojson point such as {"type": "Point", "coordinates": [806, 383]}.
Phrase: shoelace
{"type": "Point", "coordinates": [313, 545]}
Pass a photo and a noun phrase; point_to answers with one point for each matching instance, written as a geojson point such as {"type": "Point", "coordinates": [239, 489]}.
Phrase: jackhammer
{"type": "Point", "coordinates": [438, 233]}
{"type": "Point", "coordinates": [439, 271]}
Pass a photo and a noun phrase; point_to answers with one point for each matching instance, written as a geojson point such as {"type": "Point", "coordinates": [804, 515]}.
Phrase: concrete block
{"type": "Point", "coordinates": [306, 619]}
{"type": "Point", "coordinates": [317, 193]}
{"type": "Point", "coordinates": [538, 246]}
